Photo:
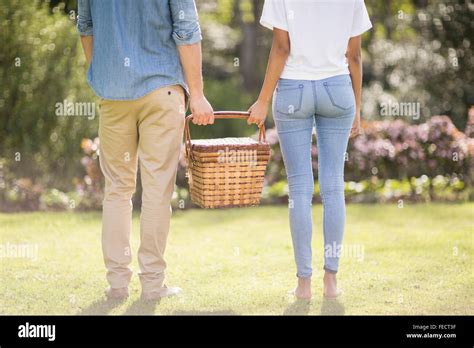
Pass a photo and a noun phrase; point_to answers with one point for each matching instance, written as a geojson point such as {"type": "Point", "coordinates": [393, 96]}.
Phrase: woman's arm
{"type": "Point", "coordinates": [354, 59]}
{"type": "Point", "coordinates": [276, 62]}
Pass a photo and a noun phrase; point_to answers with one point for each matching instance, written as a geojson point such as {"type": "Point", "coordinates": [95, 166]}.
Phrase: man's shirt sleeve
{"type": "Point", "coordinates": [84, 18]}
{"type": "Point", "coordinates": [186, 29]}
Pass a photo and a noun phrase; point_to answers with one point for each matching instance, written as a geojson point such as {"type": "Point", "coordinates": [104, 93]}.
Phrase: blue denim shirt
{"type": "Point", "coordinates": [135, 44]}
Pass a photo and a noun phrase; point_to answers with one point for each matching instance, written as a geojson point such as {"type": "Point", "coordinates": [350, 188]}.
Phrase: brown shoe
{"type": "Point", "coordinates": [160, 293]}
{"type": "Point", "coordinates": [116, 293]}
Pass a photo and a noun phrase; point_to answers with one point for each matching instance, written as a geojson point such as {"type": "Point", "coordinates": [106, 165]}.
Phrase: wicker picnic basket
{"type": "Point", "coordinates": [226, 172]}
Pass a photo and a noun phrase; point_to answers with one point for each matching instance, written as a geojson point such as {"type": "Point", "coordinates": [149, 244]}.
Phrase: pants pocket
{"type": "Point", "coordinates": [288, 98]}
{"type": "Point", "coordinates": [100, 101]}
{"type": "Point", "coordinates": [340, 93]}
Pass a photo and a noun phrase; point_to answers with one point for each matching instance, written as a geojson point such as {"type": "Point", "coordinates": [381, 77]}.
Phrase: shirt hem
{"type": "Point", "coordinates": [361, 31]}
{"type": "Point", "coordinates": [304, 75]}
{"type": "Point", "coordinates": [141, 95]}
{"type": "Point", "coordinates": [271, 24]}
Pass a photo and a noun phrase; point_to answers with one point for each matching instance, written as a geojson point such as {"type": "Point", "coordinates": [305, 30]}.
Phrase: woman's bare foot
{"type": "Point", "coordinates": [303, 290]}
{"type": "Point", "coordinates": [330, 285]}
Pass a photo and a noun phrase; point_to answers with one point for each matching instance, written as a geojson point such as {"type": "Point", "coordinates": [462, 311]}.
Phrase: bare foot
{"type": "Point", "coordinates": [330, 286]}
{"type": "Point", "coordinates": [303, 290]}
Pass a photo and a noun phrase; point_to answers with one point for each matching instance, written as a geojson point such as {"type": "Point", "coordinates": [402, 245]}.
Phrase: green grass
{"type": "Point", "coordinates": [417, 260]}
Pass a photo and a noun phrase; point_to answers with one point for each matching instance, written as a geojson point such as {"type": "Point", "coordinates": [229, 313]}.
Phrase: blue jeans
{"type": "Point", "coordinates": [298, 106]}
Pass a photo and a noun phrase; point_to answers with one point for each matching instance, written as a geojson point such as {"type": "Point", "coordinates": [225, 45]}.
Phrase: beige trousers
{"type": "Point", "coordinates": [149, 129]}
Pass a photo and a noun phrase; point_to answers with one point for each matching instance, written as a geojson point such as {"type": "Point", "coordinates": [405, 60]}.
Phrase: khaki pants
{"type": "Point", "coordinates": [149, 128]}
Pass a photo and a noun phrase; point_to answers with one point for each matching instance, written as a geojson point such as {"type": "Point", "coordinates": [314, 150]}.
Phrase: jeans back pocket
{"type": "Point", "coordinates": [340, 93]}
{"type": "Point", "coordinates": [288, 98]}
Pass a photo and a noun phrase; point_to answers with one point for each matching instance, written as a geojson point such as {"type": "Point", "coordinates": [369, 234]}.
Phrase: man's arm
{"type": "Point", "coordinates": [354, 59]}
{"type": "Point", "coordinates": [187, 36]}
{"type": "Point", "coordinates": [276, 63]}
{"type": "Point", "coordinates": [84, 27]}
{"type": "Point", "coordinates": [191, 60]}
{"type": "Point", "coordinates": [87, 44]}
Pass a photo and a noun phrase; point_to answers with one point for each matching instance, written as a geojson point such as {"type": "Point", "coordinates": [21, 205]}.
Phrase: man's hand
{"type": "Point", "coordinates": [355, 130]}
{"type": "Point", "coordinates": [258, 113]}
{"type": "Point", "coordinates": [191, 60]}
{"type": "Point", "coordinates": [202, 111]}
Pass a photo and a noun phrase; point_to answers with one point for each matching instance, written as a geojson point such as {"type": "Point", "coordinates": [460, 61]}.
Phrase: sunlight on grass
{"type": "Point", "coordinates": [416, 260]}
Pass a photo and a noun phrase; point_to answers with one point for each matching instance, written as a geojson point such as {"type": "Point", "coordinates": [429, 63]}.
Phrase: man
{"type": "Point", "coordinates": [140, 54]}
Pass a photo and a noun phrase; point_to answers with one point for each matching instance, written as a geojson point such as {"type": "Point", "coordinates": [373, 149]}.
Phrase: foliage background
{"type": "Point", "coordinates": [419, 51]}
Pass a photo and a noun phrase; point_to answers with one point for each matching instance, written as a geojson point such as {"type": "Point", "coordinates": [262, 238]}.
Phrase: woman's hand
{"type": "Point", "coordinates": [258, 113]}
{"type": "Point", "coordinates": [355, 130]}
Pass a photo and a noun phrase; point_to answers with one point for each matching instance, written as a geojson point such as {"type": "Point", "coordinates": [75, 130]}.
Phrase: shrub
{"type": "Point", "coordinates": [41, 64]}
{"type": "Point", "coordinates": [89, 188]}
{"type": "Point", "coordinates": [54, 200]}
{"type": "Point", "coordinates": [398, 150]}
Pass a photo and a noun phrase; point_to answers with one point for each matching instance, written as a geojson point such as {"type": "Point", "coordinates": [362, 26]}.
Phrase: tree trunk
{"type": "Point", "coordinates": [247, 49]}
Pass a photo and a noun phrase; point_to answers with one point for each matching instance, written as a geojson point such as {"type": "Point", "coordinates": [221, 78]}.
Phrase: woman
{"type": "Point", "coordinates": [315, 65]}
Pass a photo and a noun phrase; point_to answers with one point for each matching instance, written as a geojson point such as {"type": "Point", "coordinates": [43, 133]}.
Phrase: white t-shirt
{"type": "Point", "coordinates": [319, 32]}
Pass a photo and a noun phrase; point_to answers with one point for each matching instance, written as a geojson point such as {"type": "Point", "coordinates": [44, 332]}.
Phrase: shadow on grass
{"type": "Point", "coordinates": [101, 306]}
{"type": "Point", "coordinates": [219, 312]}
{"type": "Point", "coordinates": [299, 307]}
{"type": "Point", "coordinates": [140, 307]}
{"type": "Point", "coordinates": [105, 306]}
{"type": "Point", "coordinates": [332, 307]}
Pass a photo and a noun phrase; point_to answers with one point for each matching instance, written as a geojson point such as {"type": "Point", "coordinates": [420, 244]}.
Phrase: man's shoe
{"type": "Point", "coordinates": [160, 293]}
{"type": "Point", "coordinates": [116, 293]}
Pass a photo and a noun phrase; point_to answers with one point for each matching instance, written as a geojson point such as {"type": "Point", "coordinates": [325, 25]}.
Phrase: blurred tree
{"type": "Point", "coordinates": [40, 66]}
{"type": "Point", "coordinates": [449, 27]}
{"type": "Point", "coordinates": [247, 14]}
{"type": "Point", "coordinates": [418, 51]}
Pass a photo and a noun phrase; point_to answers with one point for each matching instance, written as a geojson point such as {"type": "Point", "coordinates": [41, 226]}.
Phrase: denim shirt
{"type": "Point", "coordinates": [135, 44]}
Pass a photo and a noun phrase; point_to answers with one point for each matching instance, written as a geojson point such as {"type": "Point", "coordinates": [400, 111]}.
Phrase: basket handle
{"type": "Point", "coordinates": [220, 115]}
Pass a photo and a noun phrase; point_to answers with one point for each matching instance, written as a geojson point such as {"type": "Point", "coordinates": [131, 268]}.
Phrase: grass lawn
{"type": "Point", "coordinates": [417, 260]}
